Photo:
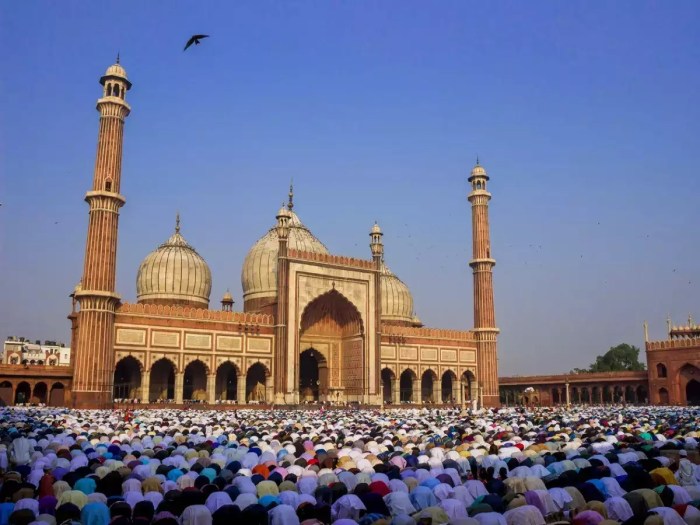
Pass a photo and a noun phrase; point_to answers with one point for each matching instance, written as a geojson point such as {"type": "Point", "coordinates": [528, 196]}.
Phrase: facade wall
{"type": "Point", "coordinates": [672, 365]}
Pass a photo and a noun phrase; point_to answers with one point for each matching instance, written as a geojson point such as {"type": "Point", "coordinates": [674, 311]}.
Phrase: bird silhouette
{"type": "Point", "coordinates": [194, 39]}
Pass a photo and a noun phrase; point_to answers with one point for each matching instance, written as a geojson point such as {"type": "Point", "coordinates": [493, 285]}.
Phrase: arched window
{"type": "Point", "coordinates": [116, 90]}
{"type": "Point", "coordinates": [661, 370]}
{"type": "Point", "coordinates": [108, 185]}
{"type": "Point", "coordinates": [108, 91]}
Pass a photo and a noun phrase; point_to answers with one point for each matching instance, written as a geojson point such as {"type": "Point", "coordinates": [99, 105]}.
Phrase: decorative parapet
{"type": "Point", "coordinates": [589, 377]}
{"type": "Point", "coordinates": [338, 260]}
{"type": "Point", "coordinates": [671, 344]}
{"type": "Point", "coordinates": [186, 312]}
{"type": "Point", "coordinates": [428, 333]}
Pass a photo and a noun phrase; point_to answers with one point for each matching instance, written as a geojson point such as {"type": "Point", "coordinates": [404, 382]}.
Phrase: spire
{"type": "Point", "coordinates": [117, 57]}
{"type": "Point", "coordinates": [290, 205]}
{"type": "Point", "coordinates": [477, 160]}
{"type": "Point", "coordinates": [177, 222]}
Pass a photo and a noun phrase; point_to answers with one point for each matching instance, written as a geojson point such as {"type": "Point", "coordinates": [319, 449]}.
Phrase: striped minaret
{"type": "Point", "coordinates": [93, 365]}
{"type": "Point", "coordinates": [482, 265]}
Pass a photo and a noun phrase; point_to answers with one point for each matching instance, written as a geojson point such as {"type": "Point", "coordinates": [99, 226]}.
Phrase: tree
{"type": "Point", "coordinates": [618, 358]}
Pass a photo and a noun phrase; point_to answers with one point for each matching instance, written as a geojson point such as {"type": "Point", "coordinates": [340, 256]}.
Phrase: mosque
{"type": "Point", "coordinates": [315, 327]}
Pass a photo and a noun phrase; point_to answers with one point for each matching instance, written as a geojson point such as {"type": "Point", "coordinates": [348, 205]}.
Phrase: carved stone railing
{"type": "Point", "coordinates": [187, 312]}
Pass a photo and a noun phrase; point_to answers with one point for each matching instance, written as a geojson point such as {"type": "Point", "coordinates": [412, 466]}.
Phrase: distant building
{"type": "Point", "coordinates": [22, 351]}
{"type": "Point", "coordinates": [672, 377]}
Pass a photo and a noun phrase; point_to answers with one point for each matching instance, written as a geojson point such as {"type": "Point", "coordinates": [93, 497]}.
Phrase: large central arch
{"type": "Point", "coordinates": [331, 337]}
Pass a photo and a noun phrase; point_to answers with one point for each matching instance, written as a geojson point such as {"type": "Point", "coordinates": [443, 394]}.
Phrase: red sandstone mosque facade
{"type": "Point", "coordinates": [314, 326]}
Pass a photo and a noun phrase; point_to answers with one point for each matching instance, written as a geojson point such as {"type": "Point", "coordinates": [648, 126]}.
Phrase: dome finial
{"type": "Point", "coordinates": [477, 160]}
{"type": "Point", "coordinates": [177, 222]}
{"type": "Point", "coordinates": [117, 57]}
{"type": "Point", "coordinates": [290, 205]}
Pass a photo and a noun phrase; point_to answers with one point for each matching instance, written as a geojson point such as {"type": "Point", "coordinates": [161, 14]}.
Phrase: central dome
{"type": "Point", "coordinates": [259, 274]}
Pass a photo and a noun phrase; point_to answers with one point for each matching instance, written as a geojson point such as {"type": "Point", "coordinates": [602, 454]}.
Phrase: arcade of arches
{"type": "Point", "coordinates": [429, 388]}
{"type": "Point", "coordinates": [33, 391]}
{"type": "Point", "coordinates": [594, 388]}
{"type": "Point", "coordinates": [195, 384]}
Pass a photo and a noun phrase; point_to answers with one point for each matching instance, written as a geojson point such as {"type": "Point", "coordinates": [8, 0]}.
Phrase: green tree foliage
{"type": "Point", "coordinates": [618, 358]}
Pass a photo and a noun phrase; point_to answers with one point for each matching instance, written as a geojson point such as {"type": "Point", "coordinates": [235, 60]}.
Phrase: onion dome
{"type": "Point", "coordinates": [397, 301]}
{"type": "Point", "coordinates": [478, 171]}
{"type": "Point", "coordinates": [259, 274]}
{"type": "Point", "coordinates": [116, 71]}
{"type": "Point", "coordinates": [174, 274]}
{"type": "Point", "coordinates": [227, 298]}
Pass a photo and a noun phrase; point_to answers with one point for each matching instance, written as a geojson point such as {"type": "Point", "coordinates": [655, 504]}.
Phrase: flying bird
{"type": "Point", "coordinates": [194, 39]}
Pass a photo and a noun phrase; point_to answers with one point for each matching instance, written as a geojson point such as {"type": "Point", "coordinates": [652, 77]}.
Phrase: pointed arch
{"type": "Point", "coordinates": [428, 385]}
{"type": "Point", "coordinates": [333, 305]}
{"type": "Point", "coordinates": [407, 383]}
{"type": "Point", "coordinates": [448, 384]}
{"type": "Point", "coordinates": [195, 381]}
{"type": "Point", "coordinates": [388, 385]}
{"type": "Point", "coordinates": [127, 378]}
{"type": "Point", "coordinates": [162, 380]}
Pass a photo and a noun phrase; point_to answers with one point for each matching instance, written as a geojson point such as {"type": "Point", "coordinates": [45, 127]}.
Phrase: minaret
{"type": "Point", "coordinates": [482, 265]}
{"type": "Point", "coordinates": [93, 367]}
{"type": "Point", "coordinates": [281, 368]}
{"type": "Point", "coordinates": [377, 247]}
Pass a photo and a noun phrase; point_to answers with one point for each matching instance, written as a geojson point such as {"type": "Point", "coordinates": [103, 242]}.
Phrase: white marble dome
{"type": "Point", "coordinates": [174, 274]}
{"type": "Point", "coordinates": [259, 274]}
{"type": "Point", "coordinates": [397, 301]}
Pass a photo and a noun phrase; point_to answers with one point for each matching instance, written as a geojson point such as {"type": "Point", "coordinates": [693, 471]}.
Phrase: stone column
{"type": "Point", "coordinates": [437, 391]}
{"type": "Point", "coordinates": [179, 386]}
{"type": "Point", "coordinates": [417, 397]}
{"type": "Point", "coordinates": [568, 395]}
{"type": "Point", "coordinates": [600, 390]}
{"type": "Point", "coordinates": [269, 392]}
{"type": "Point", "coordinates": [395, 391]}
{"type": "Point", "coordinates": [240, 389]}
{"type": "Point", "coordinates": [145, 387]}
{"type": "Point", "coordinates": [211, 388]}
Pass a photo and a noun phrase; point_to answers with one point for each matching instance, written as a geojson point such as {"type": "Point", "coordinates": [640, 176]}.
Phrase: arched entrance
{"type": "Point", "coordinates": [127, 379]}
{"type": "Point", "coordinates": [689, 377]}
{"type": "Point", "coordinates": [57, 396]}
{"type": "Point", "coordinates": [663, 396]}
{"type": "Point", "coordinates": [408, 377]}
{"type": "Point", "coordinates": [428, 382]}
{"type": "Point", "coordinates": [40, 393]}
{"type": "Point", "coordinates": [313, 376]}
{"type": "Point", "coordinates": [388, 380]}
{"type": "Point", "coordinates": [328, 322]}
{"type": "Point", "coordinates": [23, 393]}
{"type": "Point", "coordinates": [6, 397]}
{"type": "Point", "coordinates": [449, 381]}
{"type": "Point", "coordinates": [470, 389]}
{"type": "Point", "coordinates": [692, 392]}
{"type": "Point", "coordinates": [555, 396]}
{"type": "Point", "coordinates": [162, 381]}
{"type": "Point", "coordinates": [195, 385]}
{"type": "Point", "coordinates": [255, 383]}
{"type": "Point", "coordinates": [642, 394]}
{"type": "Point", "coordinates": [227, 382]}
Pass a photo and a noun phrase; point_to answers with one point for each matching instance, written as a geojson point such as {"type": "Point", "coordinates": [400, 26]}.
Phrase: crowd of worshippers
{"type": "Point", "coordinates": [513, 466]}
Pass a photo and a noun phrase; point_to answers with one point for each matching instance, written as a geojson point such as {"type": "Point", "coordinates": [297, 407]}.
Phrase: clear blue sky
{"type": "Point", "coordinates": [585, 114]}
